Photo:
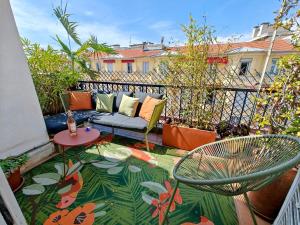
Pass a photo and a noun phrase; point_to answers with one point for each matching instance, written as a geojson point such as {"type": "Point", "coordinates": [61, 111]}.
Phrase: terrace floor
{"type": "Point", "coordinates": [125, 186]}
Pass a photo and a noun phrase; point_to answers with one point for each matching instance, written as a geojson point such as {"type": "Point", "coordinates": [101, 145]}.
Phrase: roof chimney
{"type": "Point", "coordinates": [255, 31]}
{"type": "Point", "coordinates": [263, 29]}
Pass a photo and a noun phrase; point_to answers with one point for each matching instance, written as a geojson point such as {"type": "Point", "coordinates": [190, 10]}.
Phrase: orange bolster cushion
{"type": "Point", "coordinates": [148, 107]}
{"type": "Point", "coordinates": [80, 100]}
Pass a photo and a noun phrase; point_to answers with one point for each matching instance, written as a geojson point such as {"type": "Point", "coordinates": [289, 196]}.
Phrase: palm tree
{"type": "Point", "coordinates": [79, 57]}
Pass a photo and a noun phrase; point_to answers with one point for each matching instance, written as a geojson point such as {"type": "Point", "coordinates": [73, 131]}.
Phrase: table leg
{"type": "Point", "coordinates": [64, 161]}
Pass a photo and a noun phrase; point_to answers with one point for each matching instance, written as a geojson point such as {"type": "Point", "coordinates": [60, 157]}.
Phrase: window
{"type": "Point", "coordinates": [98, 66]}
{"type": "Point", "coordinates": [145, 67]}
{"type": "Point", "coordinates": [274, 67]}
{"type": "Point", "coordinates": [245, 66]}
{"type": "Point", "coordinates": [110, 67]}
{"type": "Point", "coordinates": [129, 67]}
{"type": "Point", "coordinates": [163, 68]}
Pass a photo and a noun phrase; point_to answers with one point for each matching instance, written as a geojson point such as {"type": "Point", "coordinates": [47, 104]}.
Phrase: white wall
{"type": "Point", "coordinates": [21, 122]}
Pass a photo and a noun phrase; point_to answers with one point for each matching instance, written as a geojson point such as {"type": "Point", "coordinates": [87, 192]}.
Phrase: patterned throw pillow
{"type": "Point", "coordinates": [128, 106]}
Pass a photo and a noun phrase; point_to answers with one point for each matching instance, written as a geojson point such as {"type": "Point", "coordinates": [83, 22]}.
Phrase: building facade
{"type": "Point", "coordinates": [240, 57]}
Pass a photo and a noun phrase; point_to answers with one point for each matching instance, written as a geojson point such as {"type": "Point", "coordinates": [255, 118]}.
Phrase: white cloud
{"type": "Point", "coordinates": [88, 13]}
{"type": "Point", "coordinates": [235, 38]}
{"type": "Point", "coordinates": [157, 26]}
{"type": "Point", "coordinates": [107, 33]}
{"type": "Point", "coordinates": [32, 21]}
{"type": "Point", "coordinates": [169, 30]}
{"type": "Point", "coordinates": [40, 26]}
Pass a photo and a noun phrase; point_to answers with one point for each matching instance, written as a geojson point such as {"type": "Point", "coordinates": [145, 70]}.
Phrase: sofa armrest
{"type": "Point", "coordinates": [156, 115]}
{"type": "Point", "coordinates": [65, 100]}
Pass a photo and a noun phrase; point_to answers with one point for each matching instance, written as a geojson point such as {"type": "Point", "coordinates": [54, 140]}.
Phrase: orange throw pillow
{"type": "Point", "coordinates": [148, 107]}
{"type": "Point", "coordinates": [80, 100]}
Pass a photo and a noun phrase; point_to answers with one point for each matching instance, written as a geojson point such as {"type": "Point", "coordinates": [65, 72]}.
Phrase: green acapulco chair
{"type": "Point", "coordinates": [235, 166]}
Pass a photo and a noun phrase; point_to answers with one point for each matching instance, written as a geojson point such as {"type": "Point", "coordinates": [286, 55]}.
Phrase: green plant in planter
{"type": "Point", "coordinates": [281, 99]}
{"type": "Point", "coordinates": [51, 74]}
{"type": "Point", "coordinates": [10, 164]}
{"type": "Point", "coordinates": [187, 69]}
{"type": "Point", "coordinates": [227, 129]}
{"type": "Point", "coordinates": [281, 104]}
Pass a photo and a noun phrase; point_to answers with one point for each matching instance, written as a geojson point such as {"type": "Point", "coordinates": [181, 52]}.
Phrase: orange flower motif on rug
{"type": "Point", "coordinates": [141, 145]}
{"type": "Point", "coordinates": [137, 152]}
{"type": "Point", "coordinates": [203, 221]}
{"type": "Point", "coordinates": [162, 203]}
{"type": "Point", "coordinates": [82, 215]}
{"type": "Point", "coordinates": [177, 197]}
{"type": "Point", "coordinates": [69, 197]}
{"type": "Point", "coordinates": [55, 218]}
{"type": "Point", "coordinates": [160, 209]}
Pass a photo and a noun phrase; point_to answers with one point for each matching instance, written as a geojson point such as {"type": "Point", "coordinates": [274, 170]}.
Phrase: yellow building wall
{"type": "Point", "coordinates": [234, 60]}
{"type": "Point", "coordinates": [118, 66]}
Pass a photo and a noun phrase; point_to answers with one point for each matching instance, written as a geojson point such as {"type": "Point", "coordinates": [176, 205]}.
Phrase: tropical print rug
{"type": "Point", "coordinates": [117, 182]}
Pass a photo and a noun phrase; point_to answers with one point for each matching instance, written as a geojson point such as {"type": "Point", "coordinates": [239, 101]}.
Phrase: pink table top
{"type": "Point", "coordinates": [83, 137]}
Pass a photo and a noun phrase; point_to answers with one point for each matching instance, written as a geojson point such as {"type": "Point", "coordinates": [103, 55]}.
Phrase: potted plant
{"type": "Point", "coordinates": [11, 167]}
{"type": "Point", "coordinates": [186, 75]}
{"type": "Point", "coordinates": [281, 104]}
{"type": "Point", "coordinates": [225, 129]}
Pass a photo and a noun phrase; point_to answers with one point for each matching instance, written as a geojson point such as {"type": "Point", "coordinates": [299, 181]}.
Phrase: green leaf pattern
{"type": "Point", "coordinates": [123, 188]}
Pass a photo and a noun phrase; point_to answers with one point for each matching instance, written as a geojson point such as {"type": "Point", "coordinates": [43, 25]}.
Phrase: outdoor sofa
{"type": "Point", "coordinates": [57, 123]}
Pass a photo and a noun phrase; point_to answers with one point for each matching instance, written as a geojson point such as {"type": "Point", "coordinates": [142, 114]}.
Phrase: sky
{"type": "Point", "coordinates": [134, 21]}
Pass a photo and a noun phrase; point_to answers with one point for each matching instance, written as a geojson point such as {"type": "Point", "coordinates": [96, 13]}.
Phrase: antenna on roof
{"type": "Point", "coordinates": [129, 40]}
{"type": "Point", "coordinates": [162, 40]}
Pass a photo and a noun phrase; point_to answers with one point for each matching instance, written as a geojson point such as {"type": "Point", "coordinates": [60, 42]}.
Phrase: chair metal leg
{"type": "Point", "coordinates": [171, 200]}
{"type": "Point", "coordinates": [250, 208]}
{"type": "Point", "coordinates": [147, 143]}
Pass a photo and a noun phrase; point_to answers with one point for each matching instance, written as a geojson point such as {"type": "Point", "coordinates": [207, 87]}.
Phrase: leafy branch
{"type": "Point", "coordinates": [80, 57]}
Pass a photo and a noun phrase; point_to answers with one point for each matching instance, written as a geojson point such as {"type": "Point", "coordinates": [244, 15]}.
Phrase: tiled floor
{"type": "Point", "coordinates": [244, 215]}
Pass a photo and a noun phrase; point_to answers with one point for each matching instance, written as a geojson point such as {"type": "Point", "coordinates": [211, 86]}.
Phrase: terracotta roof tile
{"type": "Point", "coordinates": [279, 45]}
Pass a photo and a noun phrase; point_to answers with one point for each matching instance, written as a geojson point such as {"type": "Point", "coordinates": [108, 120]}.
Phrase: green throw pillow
{"type": "Point", "coordinates": [128, 106]}
{"type": "Point", "coordinates": [104, 102]}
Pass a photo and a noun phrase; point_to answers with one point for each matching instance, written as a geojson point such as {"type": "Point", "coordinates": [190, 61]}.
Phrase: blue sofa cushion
{"type": "Point", "coordinates": [120, 121]}
{"type": "Point", "coordinates": [118, 99]}
{"type": "Point", "coordinates": [58, 122]}
{"type": "Point", "coordinates": [142, 96]}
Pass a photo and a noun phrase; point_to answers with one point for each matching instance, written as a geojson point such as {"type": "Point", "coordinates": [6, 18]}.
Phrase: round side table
{"type": "Point", "coordinates": [83, 137]}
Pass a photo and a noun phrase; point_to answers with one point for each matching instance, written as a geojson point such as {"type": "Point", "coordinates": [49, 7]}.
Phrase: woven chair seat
{"type": "Point", "coordinates": [236, 166]}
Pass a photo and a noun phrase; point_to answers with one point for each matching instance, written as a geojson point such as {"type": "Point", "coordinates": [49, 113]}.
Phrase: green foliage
{"type": "Point", "coordinates": [125, 196]}
{"type": "Point", "coordinates": [79, 58]}
{"type": "Point", "coordinates": [51, 73]}
{"type": "Point", "coordinates": [12, 163]}
{"type": "Point", "coordinates": [282, 99]}
{"type": "Point", "coordinates": [188, 68]}
{"type": "Point", "coordinates": [288, 18]}
{"type": "Point", "coordinates": [70, 26]}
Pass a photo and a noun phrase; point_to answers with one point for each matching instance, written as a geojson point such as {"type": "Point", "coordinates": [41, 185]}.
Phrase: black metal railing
{"type": "Point", "coordinates": [234, 104]}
